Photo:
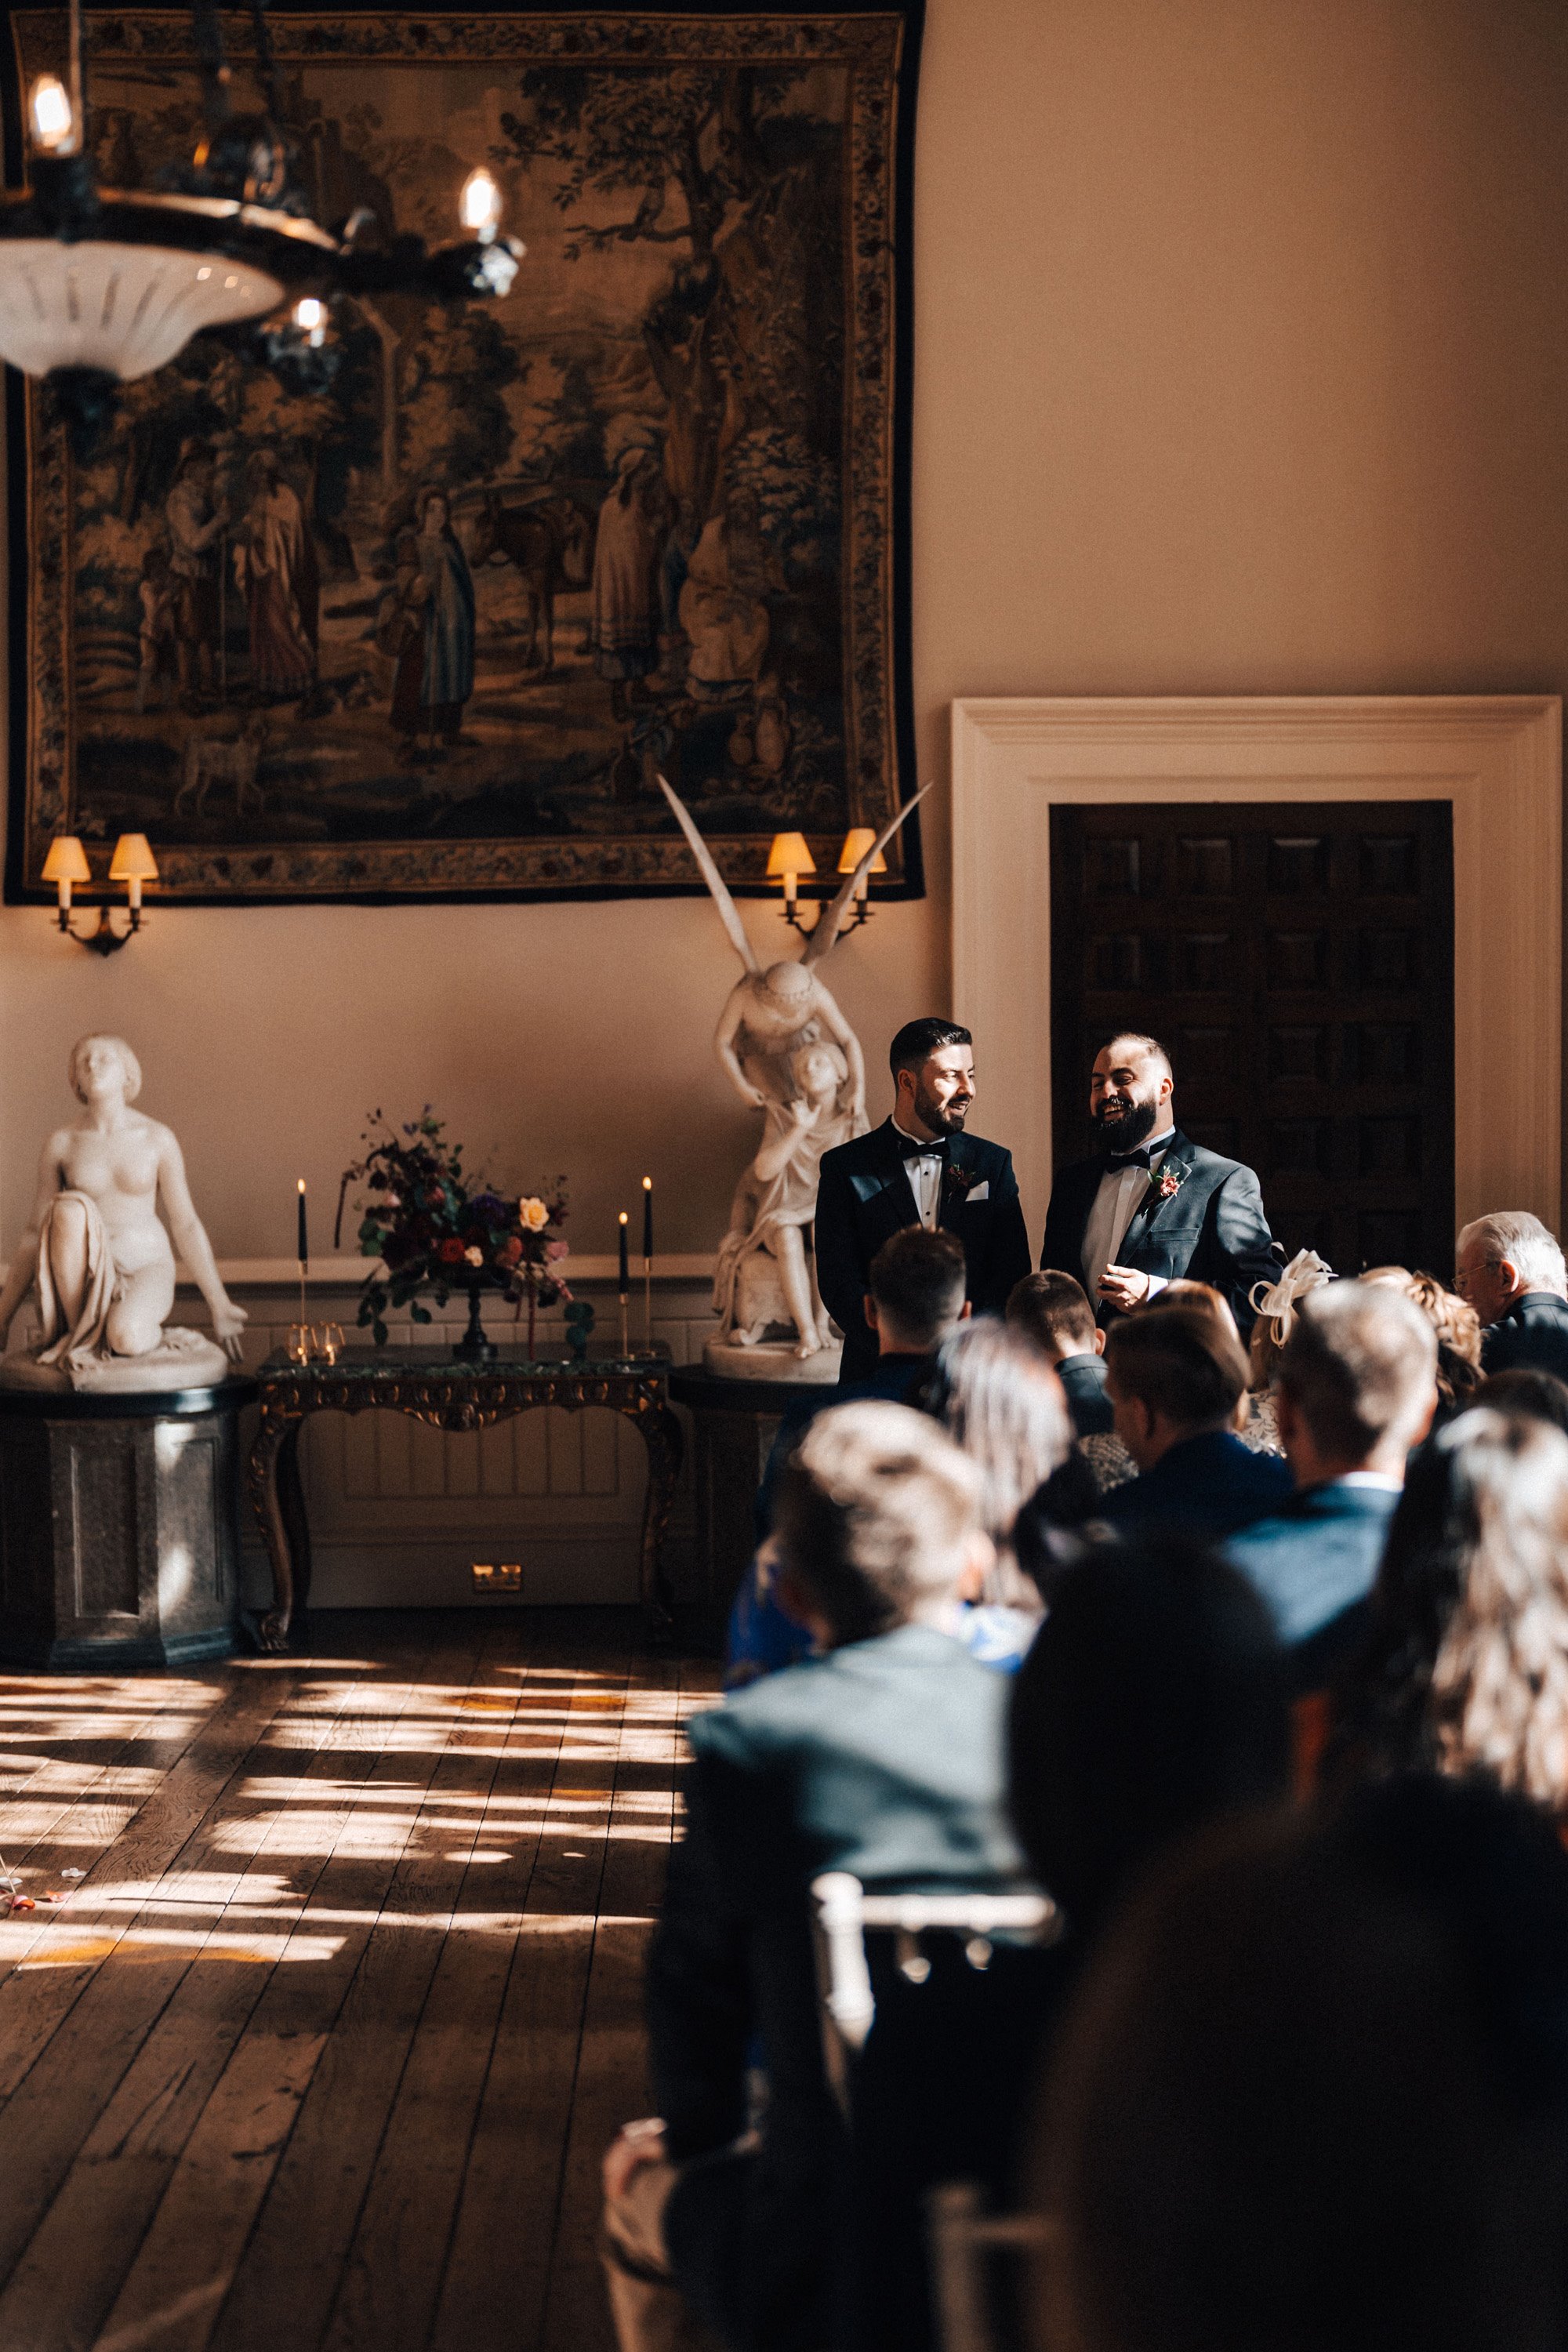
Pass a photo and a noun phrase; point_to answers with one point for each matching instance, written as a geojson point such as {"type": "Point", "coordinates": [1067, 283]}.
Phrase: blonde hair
{"type": "Point", "coordinates": [874, 1507]}
{"type": "Point", "coordinates": [1002, 1402]}
{"type": "Point", "coordinates": [1468, 1664]}
{"type": "Point", "coordinates": [128, 1062]}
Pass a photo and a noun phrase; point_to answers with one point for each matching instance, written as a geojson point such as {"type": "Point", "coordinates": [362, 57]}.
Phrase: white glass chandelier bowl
{"type": "Point", "coordinates": [124, 309]}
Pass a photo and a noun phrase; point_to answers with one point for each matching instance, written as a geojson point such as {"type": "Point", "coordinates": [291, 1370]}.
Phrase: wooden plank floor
{"type": "Point", "coordinates": [322, 2049]}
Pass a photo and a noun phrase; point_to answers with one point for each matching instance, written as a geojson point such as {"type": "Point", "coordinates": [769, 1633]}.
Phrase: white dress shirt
{"type": "Point", "coordinates": [923, 1169]}
{"type": "Point", "coordinates": [1122, 1192]}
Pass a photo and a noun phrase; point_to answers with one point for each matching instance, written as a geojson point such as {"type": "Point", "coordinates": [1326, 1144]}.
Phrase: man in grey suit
{"type": "Point", "coordinates": [884, 1756]}
{"type": "Point", "coordinates": [1152, 1206]}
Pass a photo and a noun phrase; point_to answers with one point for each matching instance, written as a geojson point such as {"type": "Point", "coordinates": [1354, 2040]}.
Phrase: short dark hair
{"type": "Point", "coordinates": [1140, 1037]}
{"type": "Point", "coordinates": [1052, 1308]}
{"type": "Point", "coordinates": [1359, 1365]}
{"type": "Point", "coordinates": [916, 1040]}
{"type": "Point", "coordinates": [1178, 1362]}
{"type": "Point", "coordinates": [1153, 1699]}
{"type": "Point", "coordinates": [1524, 1389]}
{"type": "Point", "coordinates": [1314, 2089]}
{"type": "Point", "coordinates": [917, 1279]}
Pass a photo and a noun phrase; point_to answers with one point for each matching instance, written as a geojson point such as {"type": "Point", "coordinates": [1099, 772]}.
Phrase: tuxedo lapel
{"type": "Point", "coordinates": [951, 1197]}
{"type": "Point", "coordinates": [1178, 1161]}
{"type": "Point", "coordinates": [893, 1203]}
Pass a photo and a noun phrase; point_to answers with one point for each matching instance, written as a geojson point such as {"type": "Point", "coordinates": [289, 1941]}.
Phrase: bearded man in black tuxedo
{"type": "Point", "coordinates": [1151, 1207]}
{"type": "Point", "coordinates": [918, 1168]}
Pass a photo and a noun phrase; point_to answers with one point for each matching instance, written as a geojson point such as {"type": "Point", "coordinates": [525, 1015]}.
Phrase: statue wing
{"type": "Point", "coordinates": [729, 914]}
{"type": "Point", "coordinates": [832, 916]}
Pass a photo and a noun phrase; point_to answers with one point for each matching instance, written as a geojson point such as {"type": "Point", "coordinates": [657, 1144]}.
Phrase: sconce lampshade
{"type": "Point", "coordinates": [857, 842]}
{"type": "Point", "coordinates": [66, 860]}
{"type": "Point", "coordinates": [133, 860]}
{"type": "Point", "coordinates": [789, 854]}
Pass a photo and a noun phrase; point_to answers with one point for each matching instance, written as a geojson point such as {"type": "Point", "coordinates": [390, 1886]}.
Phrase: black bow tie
{"type": "Point", "coordinates": [1116, 1161]}
{"type": "Point", "coordinates": [910, 1149]}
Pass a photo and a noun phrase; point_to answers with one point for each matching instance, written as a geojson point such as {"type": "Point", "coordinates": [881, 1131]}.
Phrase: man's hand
{"type": "Point", "coordinates": [1123, 1286]}
{"type": "Point", "coordinates": [634, 2146]}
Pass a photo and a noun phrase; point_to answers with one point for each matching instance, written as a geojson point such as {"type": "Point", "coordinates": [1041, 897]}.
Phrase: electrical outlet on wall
{"type": "Point", "coordinates": [503, 1576]}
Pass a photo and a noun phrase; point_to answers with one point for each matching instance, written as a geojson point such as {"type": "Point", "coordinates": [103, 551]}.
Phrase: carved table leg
{"type": "Point", "coordinates": [662, 1436]}
{"type": "Point", "coordinates": [273, 1466]}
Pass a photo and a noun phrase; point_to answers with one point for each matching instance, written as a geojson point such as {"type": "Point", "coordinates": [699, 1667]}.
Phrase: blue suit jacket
{"type": "Point", "coordinates": [1203, 1486]}
{"type": "Point", "coordinates": [1532, 1337]}
{"type": "Point", "coordinates": [1314, 1566]}
{"type": "Point", "coordinates": [1211, 1229]}
{"type": "Point", "coordinates": [863, 1198]}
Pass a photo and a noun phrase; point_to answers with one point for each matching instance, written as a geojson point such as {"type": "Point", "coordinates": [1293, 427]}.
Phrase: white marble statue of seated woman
{"type": "Point", "coordinates": [100, 1255]}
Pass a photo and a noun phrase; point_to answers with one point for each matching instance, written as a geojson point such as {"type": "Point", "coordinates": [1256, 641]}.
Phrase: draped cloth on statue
{"type": "Point", "coordinates": [77, 1354]}
{"type": "Point", "coordinates": [75, 1344]}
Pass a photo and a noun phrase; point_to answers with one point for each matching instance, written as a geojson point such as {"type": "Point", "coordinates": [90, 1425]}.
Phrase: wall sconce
{"type": "Point", "coordinates": [788, 859]}
{"type": "Point", "coordinates": [132, 864]}
{"type": "Point", "coordinates": [857, 842]}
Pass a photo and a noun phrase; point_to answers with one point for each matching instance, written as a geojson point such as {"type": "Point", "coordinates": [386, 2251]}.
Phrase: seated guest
{"type": "Point", "coordinates": [1466, 1669]}
{"type": "Point", "coordinates": [1539, 1396]}
{"type": "Point", "coordinates": [998, 1397]}
{"type": "Point", "coordinates": [915, 1300]}
{"type": "Point", "coordinates": [1275, 1304]}
{"type": "Point", "coordinates": [1314, 2095]}
{"type": "Point", "coordinates": [1457, 1327]}
{"type": "Point", "coordinates": [1355, 1390]}
{"type": "Point", "coordinates": [1510, 1269]}
{"type": "Point", "coordinates": [1055, 1311]}
{"type": "Point", "coordinates": [1174, 1380]}
{"type": "Point", "coordinates": [882, 1756]}
{"type": "Point", "coordinates": [1151, 1702]}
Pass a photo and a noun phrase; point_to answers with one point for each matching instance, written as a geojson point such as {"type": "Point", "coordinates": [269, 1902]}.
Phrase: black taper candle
{"type": "Point", "coordinates": [304, 1250]}
{"type": "Point", "coordinates": [647, 1216]}
{"type": "Point", "coordinates": [626, 1272]}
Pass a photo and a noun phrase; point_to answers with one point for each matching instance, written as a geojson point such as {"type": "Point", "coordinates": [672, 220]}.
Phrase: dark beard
{"type": "Point", "coordinates": [937, 1120]}
{"type": "Point", "coordinates": [1125, 1134]}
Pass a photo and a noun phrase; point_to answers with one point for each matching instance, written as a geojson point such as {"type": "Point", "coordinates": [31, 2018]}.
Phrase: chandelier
{"type": "Point", "coordinates": [99, 286]}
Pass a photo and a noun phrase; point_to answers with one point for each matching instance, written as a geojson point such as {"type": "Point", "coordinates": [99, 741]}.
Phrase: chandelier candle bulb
{"type": "Point", "coordinates": [53, 119]}
{"type": "Point", "coordinates": [479, 206]}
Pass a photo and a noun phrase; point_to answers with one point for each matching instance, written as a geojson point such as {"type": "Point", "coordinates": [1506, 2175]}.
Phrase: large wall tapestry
{"type": "Point", "coordinates": [438, 629]}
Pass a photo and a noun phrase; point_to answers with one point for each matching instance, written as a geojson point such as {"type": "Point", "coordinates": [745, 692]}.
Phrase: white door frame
{"type": "Point", "coordinates": [1497, 757]}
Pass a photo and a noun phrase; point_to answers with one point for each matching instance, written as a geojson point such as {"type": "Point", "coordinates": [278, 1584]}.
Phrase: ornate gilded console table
{"type": "Point", "coordinates": [429, 1386]}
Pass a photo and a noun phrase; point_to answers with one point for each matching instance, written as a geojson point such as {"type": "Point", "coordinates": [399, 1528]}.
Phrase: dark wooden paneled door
{"type": "Point", "coordinates": [1297, 959]}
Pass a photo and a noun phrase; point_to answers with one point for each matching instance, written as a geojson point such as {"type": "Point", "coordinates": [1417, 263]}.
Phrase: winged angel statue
{"type": "Point", "coordinates": [789, 1053]}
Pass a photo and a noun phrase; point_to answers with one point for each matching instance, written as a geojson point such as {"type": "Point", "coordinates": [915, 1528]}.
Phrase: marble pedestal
{"type": "Point", "coordinates": [120, 1527]}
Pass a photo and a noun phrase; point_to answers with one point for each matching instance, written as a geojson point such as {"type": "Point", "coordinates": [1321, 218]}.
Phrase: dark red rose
{"type": "Point", "coordinates": [450, 1253]}
{"type": "Point", "coordinates": [509, 1252]}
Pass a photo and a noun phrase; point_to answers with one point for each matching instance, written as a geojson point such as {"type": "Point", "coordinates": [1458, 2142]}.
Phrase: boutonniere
{"type": "Point", "coordinates": [957, 1181]}
{"type": "Point", "coordinates": [1169, 1182]}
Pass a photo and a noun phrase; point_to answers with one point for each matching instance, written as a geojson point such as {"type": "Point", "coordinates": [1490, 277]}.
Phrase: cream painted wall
{"type": "Point", "coordinates": [1243, 368]}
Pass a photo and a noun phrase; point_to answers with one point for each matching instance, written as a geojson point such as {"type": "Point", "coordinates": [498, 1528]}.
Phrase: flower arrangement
{"type": "Point", "coordinates": [433, 1226]}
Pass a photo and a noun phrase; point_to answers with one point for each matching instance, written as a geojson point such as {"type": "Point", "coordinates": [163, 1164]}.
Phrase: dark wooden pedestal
{"type": "Point", "coordinates": [120, 1527]}
{"type": "Point", "coordinates": [734, 1424]}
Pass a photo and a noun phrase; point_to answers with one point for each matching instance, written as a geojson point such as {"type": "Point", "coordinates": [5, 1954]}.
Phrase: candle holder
{"type": "Point", "coordinates": [314, 1343]}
